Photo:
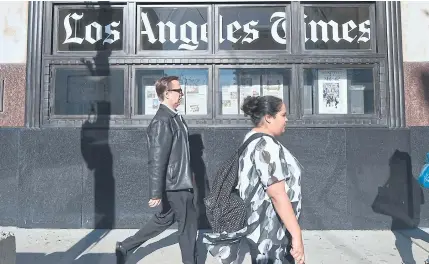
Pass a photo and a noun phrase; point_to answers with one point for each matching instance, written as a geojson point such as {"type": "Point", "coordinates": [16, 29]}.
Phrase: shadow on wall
{"type": "Point", "coordinates": [95, 131]}
{"type": "Point", "coordinates": [401, 198]}
{"type": "Point", "coordinates": [200, 175]}
{"type": "Point", "coordinates": [98, 159]}
{"type": "Point", "coordinates": [201, 189]}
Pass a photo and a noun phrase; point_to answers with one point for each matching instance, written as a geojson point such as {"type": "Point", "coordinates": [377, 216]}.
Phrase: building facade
{"type": "Point", "coordinates": [77, 93]}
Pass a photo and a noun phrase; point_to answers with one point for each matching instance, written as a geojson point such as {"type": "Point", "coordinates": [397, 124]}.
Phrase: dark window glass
{"type": "Point", "coordinates": [338, 91]}
{"type": "Point", "coordinates": [237, 84]}
{"type": "Point", "coordinates": [337, 28]}
{"type": "Point", "coordinates": [90, 29]}
{"type": "Point", "coordinates": [253, 28]}
{"type": "Point", "coordinates": [173, 28]}
{"type": "Point", "coordinates": [79, 91]}
{"type": "Point", "coordinates": [194, 83]}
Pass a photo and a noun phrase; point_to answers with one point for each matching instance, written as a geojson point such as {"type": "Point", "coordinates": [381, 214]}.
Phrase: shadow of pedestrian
{"type": "Point", "coordinates": [148, 249]}
{"type": "Point", "coordinates": [201, 188]}
{"type": "Point", "coordinates": [95, 133]}
{"type": "Point", "coordinates": [98, 157]}
{"type": "Point", "coordinates": [201, 181]}
{"type": "Point", "coordinates": [72, 255]}
{"type": "Point", "coordinates": [401, 198]}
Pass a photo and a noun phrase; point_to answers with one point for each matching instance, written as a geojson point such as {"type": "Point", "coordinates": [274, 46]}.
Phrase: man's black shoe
{"type": "Point", "coordinates": [121, 253]}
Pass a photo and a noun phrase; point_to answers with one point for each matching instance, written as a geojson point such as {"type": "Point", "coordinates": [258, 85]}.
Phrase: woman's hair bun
{"type": "Point", "coordinates": [250, 105]}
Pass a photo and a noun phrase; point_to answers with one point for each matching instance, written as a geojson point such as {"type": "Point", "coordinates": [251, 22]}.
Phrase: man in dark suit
{"type": "Point", "coordinates": [171, 184]}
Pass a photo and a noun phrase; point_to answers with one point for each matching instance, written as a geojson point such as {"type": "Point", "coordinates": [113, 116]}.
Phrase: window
{"type": "Point", "coordinates": [339, 27]}
{"type": "Point", "coordinates": [89, 28]}
{"type": "Point", "coordinates": [78, 90]}
{"type": "Point", "coordinates": [328, 61]}
{"type": "Point", "coordinates": [235, 84]}
{"type": "Point", "coordinates": [173, 28]}
{"type": "Point", "coordinates": [194, 83]}
{"type": "Point", "coordinates": [252, 28]}
{"type": "Point", "coordinates": [339, 91]}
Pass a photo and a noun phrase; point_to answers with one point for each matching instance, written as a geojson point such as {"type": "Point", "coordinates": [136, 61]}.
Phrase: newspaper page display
{"type": "Point", "coordinates": [332, 91]}
{"type": "Point", "coordinates": [230, 100]}
{"type": "Point", "coordinates": [196, 99]}
{"type": "Point", "coordinates": [151, 101]}
{"type": "Point", "coordinates": [272, 84]}
{"type": "Point", "coordinates": [250, 85]}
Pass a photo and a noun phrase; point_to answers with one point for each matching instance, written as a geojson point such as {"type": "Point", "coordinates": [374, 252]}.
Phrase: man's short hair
{"type": "Point", "coordinates": [162, 84]}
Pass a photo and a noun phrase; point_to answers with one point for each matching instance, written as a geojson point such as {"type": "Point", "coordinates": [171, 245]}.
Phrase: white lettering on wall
{"type": "Point", "coordinates": [69, 30]}
{"type": "Point", "coordinates": [184, 36]}
{"type": "Point", "coordinates": [250, 31]}
{"type": "Point", "coordinates": [347, 28]}
{"type": "Point", "coordinates": [190, 35]}
{"type": "Point", "coordinates": [116, 34]}
{"type": "Point", "coordinates": [274, 28]}
{"type": "Point", "coordinates": [190, 42]}
{"type": "Point", "coordinates": [364, 30]}
{"type": "Point", "coordinates": [88, 31]}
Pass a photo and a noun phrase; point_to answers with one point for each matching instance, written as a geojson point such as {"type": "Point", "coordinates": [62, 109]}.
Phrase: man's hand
{"type": "Point", "coordinates": [154, 202]}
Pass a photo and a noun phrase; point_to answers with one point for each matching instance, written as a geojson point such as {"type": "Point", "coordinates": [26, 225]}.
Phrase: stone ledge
{"type": "Point", "coordinates": [7, 248]}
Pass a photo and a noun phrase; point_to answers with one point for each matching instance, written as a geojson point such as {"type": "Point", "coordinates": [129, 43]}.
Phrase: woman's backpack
{"type": "Point", "coordinates": [226, 211]}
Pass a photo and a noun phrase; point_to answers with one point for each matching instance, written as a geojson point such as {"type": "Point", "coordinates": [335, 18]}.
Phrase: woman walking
{"type": "Point", "coordinates": [272, 232]}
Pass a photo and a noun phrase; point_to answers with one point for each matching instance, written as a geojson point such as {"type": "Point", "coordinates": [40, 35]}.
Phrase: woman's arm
{"type": "Point", "coordinates": [283, 207]}
{"type": "Point", "coordinates": [272, 174]}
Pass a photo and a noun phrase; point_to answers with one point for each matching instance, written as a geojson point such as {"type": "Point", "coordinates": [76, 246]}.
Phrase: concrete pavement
{"type": "Point", "coordinates": [83, 246]}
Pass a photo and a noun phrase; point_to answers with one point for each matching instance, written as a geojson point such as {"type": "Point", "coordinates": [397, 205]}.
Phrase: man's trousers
{"type": "Point", "coordinates": [176, 206]}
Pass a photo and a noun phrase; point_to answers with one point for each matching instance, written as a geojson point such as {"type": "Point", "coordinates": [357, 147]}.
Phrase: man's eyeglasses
{"type": "Point", "coordinates": [180, 91]}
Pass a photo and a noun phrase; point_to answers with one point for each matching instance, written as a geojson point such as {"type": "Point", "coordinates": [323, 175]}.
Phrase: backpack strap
{"type": "Point", "coordinates": [250, 139]}
{"type": "Point", "coordinates": [242, 148]}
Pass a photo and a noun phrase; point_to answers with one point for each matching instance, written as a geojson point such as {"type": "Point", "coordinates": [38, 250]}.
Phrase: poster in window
{"type": "Point", "coordinates": [250, 85]}
{"type": "Point", "coordinates": [272, 84]}
{"type": "Point", "coordinates": [151, 101]}
{"type": "Point", "coordinates": [332, 91]}
{"type": "Point", "coordinates": [230, 100]}
{"type": "Point", "coordinates": [196, 99]}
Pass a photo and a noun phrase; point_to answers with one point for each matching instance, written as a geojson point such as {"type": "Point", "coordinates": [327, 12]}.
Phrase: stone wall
{"type": "Point", "coordinates": [13, 57]}
{"type": "Point", "coordinates": [415, 39]}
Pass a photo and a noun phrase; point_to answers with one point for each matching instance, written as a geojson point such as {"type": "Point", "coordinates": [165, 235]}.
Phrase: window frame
{"type": "Point", "coordinates": [379, 117]}
{"type": "Point", "coordinates": [220, 118]}
{"type": "Point", "coordinates": [287, 51]}
{"type": "Point", "coordinates": [190, 119]}
{"type": "Point", "coordinates": [375, 24]}
{"type": "Point", "coordinates": [48, 111]}
{"type": "Point", "coordinates": [56, 6]}
{"type": "Point", "coordinates": [175, 53]}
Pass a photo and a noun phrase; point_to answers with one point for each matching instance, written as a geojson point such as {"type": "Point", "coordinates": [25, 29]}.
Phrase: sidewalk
{"type": "Point", "coordinates": [82, 246]}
